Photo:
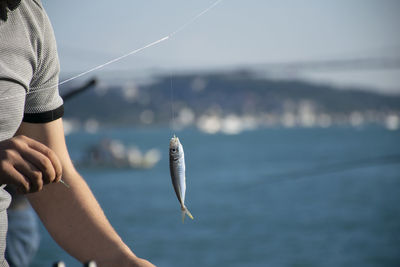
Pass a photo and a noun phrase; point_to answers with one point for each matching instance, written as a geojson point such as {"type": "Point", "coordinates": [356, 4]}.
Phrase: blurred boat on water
{"type": "Point", "coordinates": [112, 153]}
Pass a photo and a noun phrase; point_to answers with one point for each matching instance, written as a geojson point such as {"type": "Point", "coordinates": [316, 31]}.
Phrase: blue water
{"type": "Point", "coordinates": [250, 207]}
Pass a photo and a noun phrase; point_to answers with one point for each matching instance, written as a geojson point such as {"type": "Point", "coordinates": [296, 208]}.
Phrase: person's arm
{"type": "Point", "coordinates": [72, 215]}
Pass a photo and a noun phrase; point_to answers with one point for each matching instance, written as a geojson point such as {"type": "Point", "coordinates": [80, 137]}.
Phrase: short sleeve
{"type": "Point", "coordinates": [43, 101]}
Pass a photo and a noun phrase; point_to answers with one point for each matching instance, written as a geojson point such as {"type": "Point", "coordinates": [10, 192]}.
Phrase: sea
{"type": "Point", "coordinates": [268, 197]}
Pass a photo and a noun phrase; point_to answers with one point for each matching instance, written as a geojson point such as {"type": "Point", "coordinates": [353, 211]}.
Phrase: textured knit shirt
{"type": "Point", "coordinates": [29, 70]}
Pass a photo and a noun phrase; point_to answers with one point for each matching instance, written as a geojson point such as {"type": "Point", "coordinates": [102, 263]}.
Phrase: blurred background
{"type": "Point", "coordinates": [288, 111]}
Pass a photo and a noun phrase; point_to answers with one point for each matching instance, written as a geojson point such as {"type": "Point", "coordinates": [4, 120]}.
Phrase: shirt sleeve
{"type": "Point", "coordinates": [43, 101]}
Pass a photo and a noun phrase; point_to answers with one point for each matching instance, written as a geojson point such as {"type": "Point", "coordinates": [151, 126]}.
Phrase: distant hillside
{"type": "Point", "coordinates": [222, 94]}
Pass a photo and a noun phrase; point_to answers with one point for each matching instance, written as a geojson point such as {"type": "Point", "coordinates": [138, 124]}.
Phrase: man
{"type": "Point", "coordinates": [33, 153]}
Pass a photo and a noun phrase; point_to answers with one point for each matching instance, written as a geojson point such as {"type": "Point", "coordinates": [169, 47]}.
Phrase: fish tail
{"type": "Point", "coordinates": [185, 212]}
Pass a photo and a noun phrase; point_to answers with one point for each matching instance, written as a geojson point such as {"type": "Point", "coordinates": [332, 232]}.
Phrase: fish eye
{"type": "Point", "coordinates": [173, 150]}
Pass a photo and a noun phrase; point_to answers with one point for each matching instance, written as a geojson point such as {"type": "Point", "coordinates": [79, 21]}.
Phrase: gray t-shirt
{"type": "Point", "coordinates": [29, 70]}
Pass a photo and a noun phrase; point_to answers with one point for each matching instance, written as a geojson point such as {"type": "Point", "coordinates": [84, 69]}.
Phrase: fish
{"type": "Point", "coordinates": [178, 176]}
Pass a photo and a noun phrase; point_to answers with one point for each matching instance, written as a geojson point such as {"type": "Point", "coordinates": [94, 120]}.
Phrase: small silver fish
{"type": "Point", "coordinates": [178, 177]}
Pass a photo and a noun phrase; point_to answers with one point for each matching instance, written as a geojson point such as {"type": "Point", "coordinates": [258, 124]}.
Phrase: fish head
{"type": "Point", "coordinates": [175, 146]}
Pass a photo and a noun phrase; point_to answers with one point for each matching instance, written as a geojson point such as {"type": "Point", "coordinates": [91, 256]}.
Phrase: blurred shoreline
{"type": "Point", "coordinates": [227, 102]}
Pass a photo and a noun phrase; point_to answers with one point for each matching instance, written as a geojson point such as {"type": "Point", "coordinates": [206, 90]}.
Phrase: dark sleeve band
{"type": "Point", "coordinates": [44, 117]}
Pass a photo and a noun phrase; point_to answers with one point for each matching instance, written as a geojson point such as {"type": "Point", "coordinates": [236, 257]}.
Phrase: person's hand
{"type": "Point", "coordinates": [28, 164]}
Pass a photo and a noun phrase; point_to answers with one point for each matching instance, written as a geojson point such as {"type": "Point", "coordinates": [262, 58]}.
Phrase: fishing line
{"type": "Point", "coordinates": [195, 18]}
{"type": "Point", "coordinates": [172, 104]}
{"type": "Point", "coordinates": [123, 56]}
{"type": "Point", "coordinates": [172, 34]}
{"type": "Point", "coordinates": [115, 60]}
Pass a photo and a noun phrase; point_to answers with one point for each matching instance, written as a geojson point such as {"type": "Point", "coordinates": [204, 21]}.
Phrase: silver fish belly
{"type": "Point", "coordinates": [177, 170]}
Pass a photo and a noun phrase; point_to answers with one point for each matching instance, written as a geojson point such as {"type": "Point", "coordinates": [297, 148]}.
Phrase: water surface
{"type": "Point", "coordinates": [278, 197]}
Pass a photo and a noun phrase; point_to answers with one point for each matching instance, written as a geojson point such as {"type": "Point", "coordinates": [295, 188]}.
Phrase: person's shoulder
{"type": "Point", "coordinates": [32, 9]}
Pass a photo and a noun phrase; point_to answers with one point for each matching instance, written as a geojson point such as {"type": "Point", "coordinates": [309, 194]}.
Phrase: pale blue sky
{"type": "Point", "coordinates": [234, 33]}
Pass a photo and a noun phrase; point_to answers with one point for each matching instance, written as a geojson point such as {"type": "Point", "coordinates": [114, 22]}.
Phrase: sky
{"type": "Point", "coordinates": [233, 34]}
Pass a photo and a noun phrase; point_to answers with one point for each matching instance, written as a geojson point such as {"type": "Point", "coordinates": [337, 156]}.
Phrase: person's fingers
{"type": "Point", "coordinates": [32, 174]}
{"type": "Point", "coordinates": [41, 162]}
{"type": "Point", "coordinates": [47, 152]}
{"type": "Point", "coordinates": [38, 163]}
{"type": "Point", "coordinates": [16, 178]}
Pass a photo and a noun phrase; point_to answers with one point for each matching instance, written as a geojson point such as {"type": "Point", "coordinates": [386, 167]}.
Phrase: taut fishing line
{"type": "Point", "coordinates": [127, 54]}
{"type": "Point", "coordinates": [172, 123]}
{"type": "Point", "coordinates": [172, 34]}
